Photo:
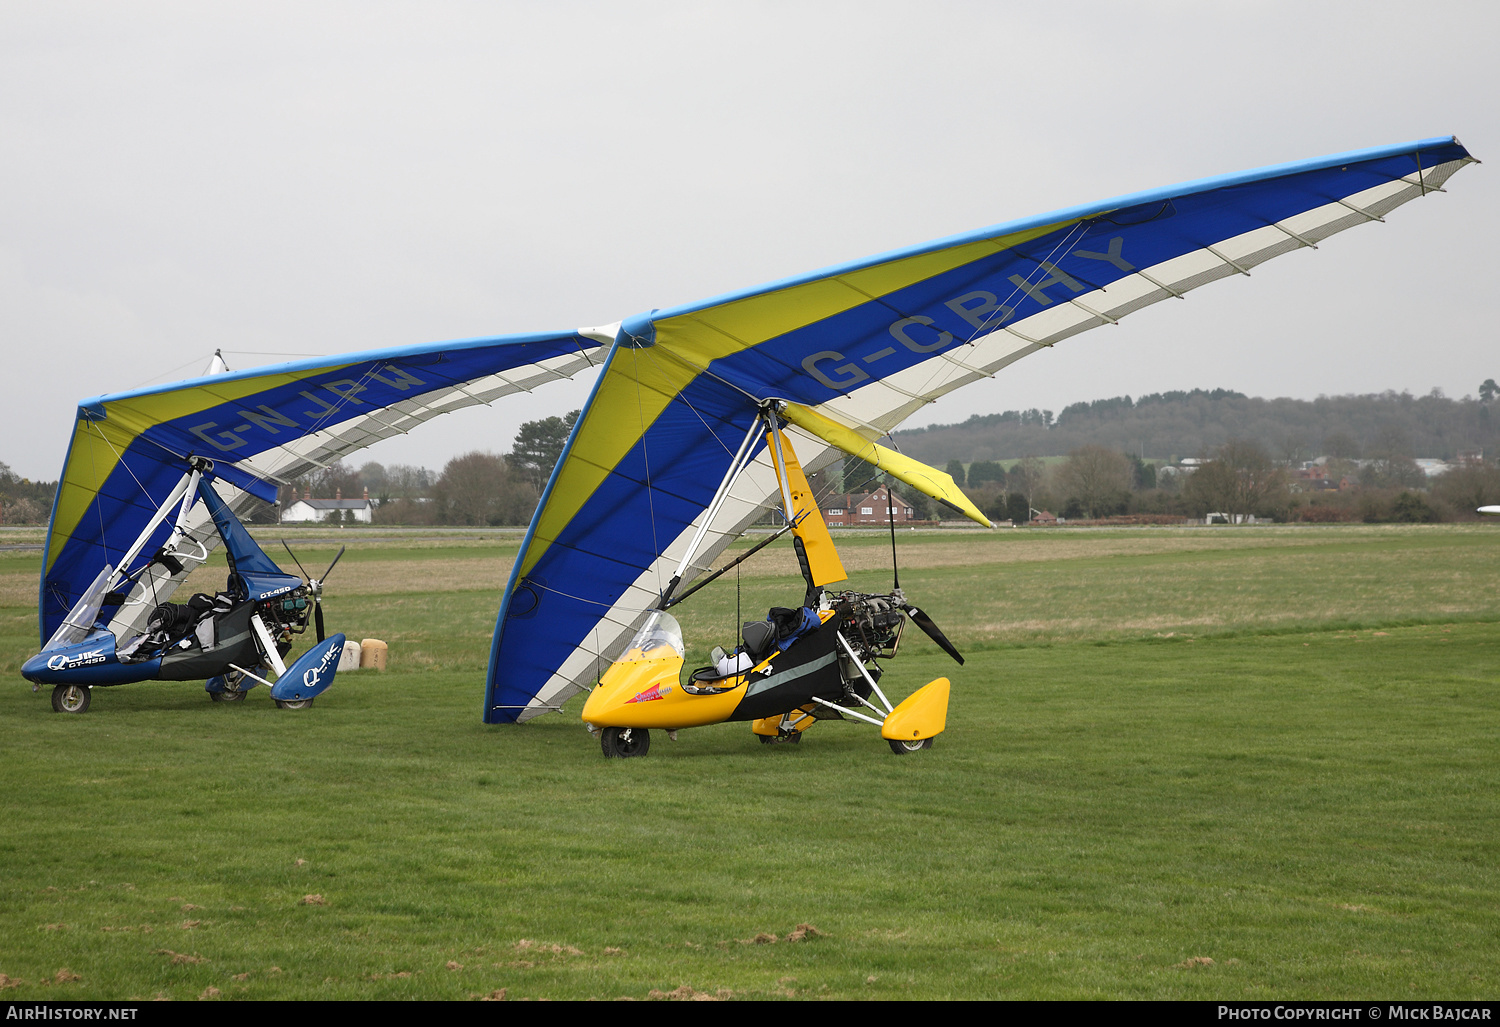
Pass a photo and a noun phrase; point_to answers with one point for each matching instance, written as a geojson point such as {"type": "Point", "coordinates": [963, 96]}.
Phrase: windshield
{"type": "Point", "coordinates": [660, 631]}
{"type": "Point", "coordinates": [80, 621]}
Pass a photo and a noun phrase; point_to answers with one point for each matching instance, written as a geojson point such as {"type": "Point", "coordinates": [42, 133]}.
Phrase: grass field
{"type": "Point", "coordinates": [1199, 763]}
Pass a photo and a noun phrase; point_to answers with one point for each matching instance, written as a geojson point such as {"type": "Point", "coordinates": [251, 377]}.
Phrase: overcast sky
{"type": "Point", "coordinates": [308, 178]}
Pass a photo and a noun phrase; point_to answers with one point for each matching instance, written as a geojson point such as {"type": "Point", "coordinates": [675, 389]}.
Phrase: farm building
{"type": "Point", "coordinates": [307, 510]}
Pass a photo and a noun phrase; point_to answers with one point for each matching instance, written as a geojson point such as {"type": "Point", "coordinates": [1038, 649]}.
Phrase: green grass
{"type": "Point", "coordinates": [1301, 789]}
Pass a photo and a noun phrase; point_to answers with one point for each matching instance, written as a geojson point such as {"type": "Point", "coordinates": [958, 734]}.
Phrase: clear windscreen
{"type": "Point", "coordinates": [79, 622]}
{"type": "Point", "coordinates": [660, 630]}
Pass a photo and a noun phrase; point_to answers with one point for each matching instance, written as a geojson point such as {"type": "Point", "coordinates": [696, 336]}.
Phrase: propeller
{"type": "Point", "coordinates": [295, 560]}
{"type": "Point", "coordinates": [315, 585]}
{"type": "Point", "coordinates": [932, 631]}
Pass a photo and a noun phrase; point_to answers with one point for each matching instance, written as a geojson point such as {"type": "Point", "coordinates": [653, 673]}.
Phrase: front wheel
{"type": "Point", "coordinates": [71, 698]}
{"type": "Point", "coordinates": [901, 747]}
{"type": "Point", "coordinates": [293, 704]}
{"type": "Point", "coordinates": [624, 742]}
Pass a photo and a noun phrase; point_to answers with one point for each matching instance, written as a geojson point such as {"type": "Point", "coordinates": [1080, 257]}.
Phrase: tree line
{"type": "Point", "coordinates": [1169, 426]}
{"type": "Point", "coordinates": [1095, 459]}
{"type": "Point", "coordinates": [472, 489]}
{"type": "Point", "coordinates": [23, 501]}
{"type": "Point", "coordinates": [1238, 479]}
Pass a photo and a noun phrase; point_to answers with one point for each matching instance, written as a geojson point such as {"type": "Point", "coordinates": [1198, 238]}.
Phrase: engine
{"type": "Point", "coordinates": [872, 624]}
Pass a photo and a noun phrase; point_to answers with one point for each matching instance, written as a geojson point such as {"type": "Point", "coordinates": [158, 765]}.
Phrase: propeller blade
{"type": "Point", "coordinates": [318, 619]}
{"type": "Point", "coordinates": [294, 559]}
{"type": "Point", "coordinates": [932, 631]}
{"type": "Point", "coordinates": [330, 566]}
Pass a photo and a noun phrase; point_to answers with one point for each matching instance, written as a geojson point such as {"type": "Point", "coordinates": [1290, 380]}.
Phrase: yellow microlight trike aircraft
{"type": "Point", "coordinates": [854, 350]}
{"type": "Point", "coordinates": [799, 666]}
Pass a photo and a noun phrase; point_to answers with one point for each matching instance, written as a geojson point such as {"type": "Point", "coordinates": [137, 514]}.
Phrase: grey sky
{"type": "Point", "coordinates": [308, 178]}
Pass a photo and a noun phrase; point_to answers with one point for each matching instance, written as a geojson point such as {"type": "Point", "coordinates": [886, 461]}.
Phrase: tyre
{"type": "Point", "coordinates": [625, 742]}
{"type": "Point", "coordinates": [791, 738]}
{"type": "Point", "coordinates": [228, 695]}
{"type": "Point", "coordinates": [71, 698]}
{"type": "Point", "coordinates": [901, 748]}
{"type": "Point", "coordinates": [292, 704]}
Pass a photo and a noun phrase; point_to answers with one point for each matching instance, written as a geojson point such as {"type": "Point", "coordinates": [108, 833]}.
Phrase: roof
{"type": "Point", "coordinates": [332, 504]}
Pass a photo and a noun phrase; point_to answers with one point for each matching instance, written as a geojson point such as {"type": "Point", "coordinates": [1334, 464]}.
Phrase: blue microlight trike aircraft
{"type": "Point", "coordinates": [234, 639]}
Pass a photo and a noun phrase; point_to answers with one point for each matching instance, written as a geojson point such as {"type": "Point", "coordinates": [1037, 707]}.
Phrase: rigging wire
{"type": "Point", "coordinates": [984, 329]}
{"type": "Point", "coordinates": [567, 595]}
{"type": "Point", "coordinates": [646, 460]}
{"type": "Point", "coordinates": [270, 353]}
{"type": "Point", "coordinates": [890, 510]}
{"type": "Point", "coordinates": [165, 374]}
{"type": "Point", "coordinates": [120, 460]}
{"type": "Point", "coordinates": [98, 498]}
{"type": "Point", "coordinates": [679, 397]}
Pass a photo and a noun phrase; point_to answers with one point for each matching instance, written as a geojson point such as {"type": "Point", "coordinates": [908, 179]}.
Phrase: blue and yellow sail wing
{"type": "Point", "coordinates": [865, 345]}
{"type": "Point", "coordinates": [260, 427]}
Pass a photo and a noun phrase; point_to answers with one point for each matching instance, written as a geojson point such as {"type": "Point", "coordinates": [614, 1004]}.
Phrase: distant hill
{"type": "Point", "coordinates": [1173, 425]}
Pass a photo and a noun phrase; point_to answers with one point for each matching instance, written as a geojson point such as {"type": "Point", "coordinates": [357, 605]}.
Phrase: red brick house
{"type": "Point", "coordinates": [867, 508]}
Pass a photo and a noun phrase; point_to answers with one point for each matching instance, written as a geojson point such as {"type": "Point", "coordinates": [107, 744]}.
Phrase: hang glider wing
{"type": "Point", "coordinates": [261, 427]}
{"type": "Point", "coordinates": [866, 345]}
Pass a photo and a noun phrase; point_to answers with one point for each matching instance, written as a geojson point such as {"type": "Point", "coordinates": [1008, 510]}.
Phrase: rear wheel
{"type": "Point", "coordinates": [624, 742]}
{"type": "Point", "coordinates": [901, 747]}
{"type": "Point", "coordinates": [228, 695]}
{"type": "Point", "coordinates": [293, 704]}
{"type": "Point", "coordinates": [71, 698]}
{"type": "Point", "coordinates": [790, 738]}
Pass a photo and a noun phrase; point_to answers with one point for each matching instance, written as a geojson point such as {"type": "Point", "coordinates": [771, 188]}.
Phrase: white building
{"type": "Point", "coordinates": [318, 510]}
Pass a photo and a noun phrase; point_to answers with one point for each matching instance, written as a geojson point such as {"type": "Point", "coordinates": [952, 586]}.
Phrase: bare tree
{"type": "Point", "coordinates": [405, 481]}
{"type": "Point", "coordinates": [1468, 488]}
{"type": "Point", "coordinates": [23, 501]}
{"type": "Point", "coordinates": [1391, 465]}
{"type": "Point", "coordinates": [1340, 446]}
{"type": "Point", "coordinates": [478, 488]}
{"type": "Point", "coordinates": [1026, 477]}
{"type": "Point", "coordinates": [1293, 450]}
{"type": "Point", "coordinates": [1098, 478]}
{"type": "Point", "coordinates": [1240, 479]}
{"type": "Point", "coordinates": [338, 479]}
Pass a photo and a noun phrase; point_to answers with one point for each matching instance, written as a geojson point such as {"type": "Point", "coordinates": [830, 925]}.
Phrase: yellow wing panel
{"type": "Point", "coordinates": [704, 335]}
